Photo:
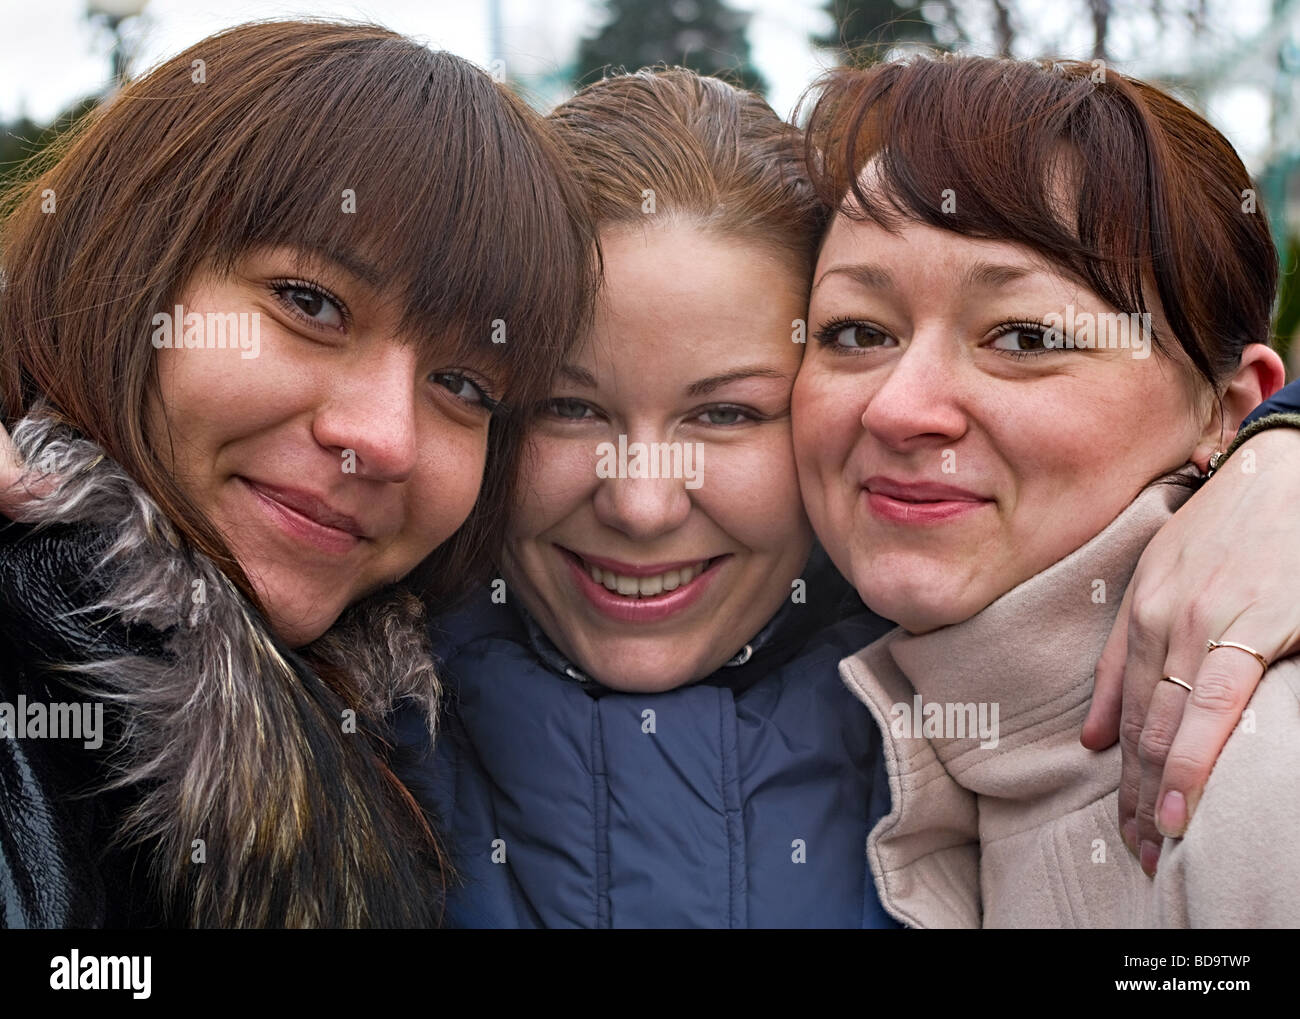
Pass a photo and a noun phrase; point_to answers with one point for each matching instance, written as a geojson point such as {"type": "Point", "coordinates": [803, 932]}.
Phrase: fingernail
{"type": "Point", "coordinates": [1129, 833]}
{"type": "Point", "coordinates": [1171, 815]}
{"type": "Point", "coordinates": [1150, 854]}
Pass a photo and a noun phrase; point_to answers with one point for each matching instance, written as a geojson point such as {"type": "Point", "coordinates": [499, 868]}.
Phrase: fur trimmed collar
{"type": "Point", "coordinates": [264, 798]}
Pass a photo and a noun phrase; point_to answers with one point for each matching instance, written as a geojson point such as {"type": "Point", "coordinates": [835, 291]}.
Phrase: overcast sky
{"type": "Point", "coordinates": [51, 55]}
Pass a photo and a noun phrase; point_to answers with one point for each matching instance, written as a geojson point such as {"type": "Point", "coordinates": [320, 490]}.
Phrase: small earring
{"type": "Point", "coordinates": [1216, 458]}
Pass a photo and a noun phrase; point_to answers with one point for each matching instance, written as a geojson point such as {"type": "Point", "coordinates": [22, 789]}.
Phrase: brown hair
{"type": "Point", "coordinates": [710, 152]}
{"type": "Point", "coordinates": [1161, 195]}
{"type": "Point", "coordinates": [464, 207]}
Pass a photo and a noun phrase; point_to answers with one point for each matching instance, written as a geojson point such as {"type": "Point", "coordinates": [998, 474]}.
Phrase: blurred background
{"type": "Point", "coordinates": [1237, 61]}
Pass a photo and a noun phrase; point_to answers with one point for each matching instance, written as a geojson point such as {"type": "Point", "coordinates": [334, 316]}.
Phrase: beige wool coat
{"type": "Point", "coordinates": [1021, 830]}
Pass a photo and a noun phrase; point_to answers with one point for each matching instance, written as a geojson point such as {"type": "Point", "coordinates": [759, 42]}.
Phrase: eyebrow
{"type": "Point", "coordinates": [353, 265]}
{"type": "Point", "coordinates": [705, 386]}
{"type": "Point", "coordinates": [701, 387]}
{"type": "Point", "coordinates": [991, 275]}
{"type": "Point", "coordinates": [869, 277]}
{"type": "Point", "coordinates": [578, 376]}
{"type": "Point", "coordinates": [982, 274]}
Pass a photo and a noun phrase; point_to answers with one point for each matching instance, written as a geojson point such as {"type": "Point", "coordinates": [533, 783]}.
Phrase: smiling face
{"type": "Point", "coordinates": [335, 460]}
{"type": "Point", "coordinates": [945, 455]}
{"type": "Point", "coordinates": [647, 583]}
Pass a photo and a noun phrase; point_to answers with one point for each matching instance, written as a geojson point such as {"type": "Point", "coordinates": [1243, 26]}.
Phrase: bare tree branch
{"type": "Point", "coordinates": [1002, 28]}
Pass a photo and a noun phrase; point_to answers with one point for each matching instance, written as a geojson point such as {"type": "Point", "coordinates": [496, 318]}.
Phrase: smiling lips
{"type": "Point", "coordinates": [308, 518]}
{"type": "Point", "coordinates": [919, 502]}
{"type": "Point", "coordinates": [628, 592]}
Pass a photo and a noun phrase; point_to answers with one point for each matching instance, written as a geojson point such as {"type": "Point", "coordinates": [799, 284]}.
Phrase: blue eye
{"type": "Point", "coordinates": [725, 415]}
{"type": "Point", "coordinates": [567, 409]}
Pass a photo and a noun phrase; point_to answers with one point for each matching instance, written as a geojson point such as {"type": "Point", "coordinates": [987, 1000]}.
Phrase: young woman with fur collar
{"type": "Point", "coordinates": [246, 353]}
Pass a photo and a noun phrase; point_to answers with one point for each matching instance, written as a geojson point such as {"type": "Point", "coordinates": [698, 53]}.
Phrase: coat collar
{"type": "Point", "coordinates": [259, 786]}
{"type": "Point", "coordinates": [1031, 653]}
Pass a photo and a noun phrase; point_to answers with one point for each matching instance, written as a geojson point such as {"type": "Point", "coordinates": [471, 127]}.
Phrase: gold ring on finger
{"type": "Point", "coordinates": [1214, 645]}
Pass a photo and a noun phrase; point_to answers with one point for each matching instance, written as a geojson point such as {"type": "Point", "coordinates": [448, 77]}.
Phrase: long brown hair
{"type": "Point", "coordinates": [711, 153]}
{"type": "Point", "coordinates": [250, 137]}
{"type": "Point", "coordinates": [1157, 196]}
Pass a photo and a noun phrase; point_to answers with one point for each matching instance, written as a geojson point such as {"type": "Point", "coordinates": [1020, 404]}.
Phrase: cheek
{"type": "Point", "coordinates": [450, 481]}
{"type": "Point", "coordinates": [1077, 453]}
{"type": "Point", "coordinates": [1112, 435]}
{"type": "Point", "coordinates": [751, 491]}
{"type": "Point", "coordinates": [208, 398]}
{"type": "Point", "coordinates": [827, 410]}
{"type": "Point", "coordinates": [557, 478]}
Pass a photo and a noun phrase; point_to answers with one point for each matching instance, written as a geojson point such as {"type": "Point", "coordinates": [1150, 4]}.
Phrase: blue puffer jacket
{"type": "Point", "coordinates": [743, 800]}
{"type": "Point", "coordinates": [1285, 401]}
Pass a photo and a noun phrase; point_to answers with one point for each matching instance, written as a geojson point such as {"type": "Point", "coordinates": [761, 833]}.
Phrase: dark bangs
{"type": "Point", "coordinates": [460, 206]}
{"type": "Point", "coordinates": [465, 212]}
{"type": "Point", "coordinates": [1111, 180]}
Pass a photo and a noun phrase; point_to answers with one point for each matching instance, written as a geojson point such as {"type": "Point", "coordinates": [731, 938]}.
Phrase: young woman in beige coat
{"type": "Point", "coordinates": [1041, 313]}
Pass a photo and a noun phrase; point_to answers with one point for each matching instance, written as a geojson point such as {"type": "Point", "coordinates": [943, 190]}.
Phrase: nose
{"type": "Point", "coordinates": [919, 403]}
{"type": "Point", "coordinates": [368, 416]}
{"type": "Point", "coordinates": [644, 508]}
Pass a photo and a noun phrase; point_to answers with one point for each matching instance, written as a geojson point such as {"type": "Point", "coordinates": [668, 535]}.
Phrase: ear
{"type": "Point", "coordinates": [1260, 375]}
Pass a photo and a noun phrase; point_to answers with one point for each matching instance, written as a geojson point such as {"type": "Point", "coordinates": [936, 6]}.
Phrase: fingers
{"type": "Point", "coordinates": [1164, 713]}
{"type": "Point", "coordinates": [10, 466]}
{"type": "Point", "coordinates": [1101, 727]}
{"type": "Point", "coordinates": [17, 491]}
{"type": "Point", "coordinates": [1144, 660]}
{"type": "Point", "coordinates": [1223, 686]}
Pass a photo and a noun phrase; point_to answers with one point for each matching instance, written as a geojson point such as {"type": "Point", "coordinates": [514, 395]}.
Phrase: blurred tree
{"type": "Point", "coordinates": [1100, 12]}
{"type": "Point", "coordinates": [707, 36]}
{"type": "Point", "coordinates": [23, 142]}
{"type": "Point", "coordinates": [860, 24]}
{"type": "Point", "coordinates": [16, 139]}
{"type": "Point", "coordinates": [1002, 30]}
{"type": "Point", "coordinates": [1286, 319]}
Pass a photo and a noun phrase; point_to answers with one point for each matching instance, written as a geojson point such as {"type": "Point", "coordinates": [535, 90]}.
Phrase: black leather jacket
{"type": "Point", "coordinates": [59, 864]}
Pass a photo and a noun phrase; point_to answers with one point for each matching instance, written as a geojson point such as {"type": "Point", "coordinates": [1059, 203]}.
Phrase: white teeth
{"type": "Point", "coordinates": [646, 587]}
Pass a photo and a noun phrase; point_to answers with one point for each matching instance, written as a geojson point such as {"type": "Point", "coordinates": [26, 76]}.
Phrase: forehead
{"type": "Point", "coordinates": [863, 253]}
{"type": "Point", "coordinates": [688, 291]}
{"type": "Point", "coordinates": [684, 258]}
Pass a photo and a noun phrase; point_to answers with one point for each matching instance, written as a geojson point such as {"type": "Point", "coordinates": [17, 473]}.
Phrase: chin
{"type": "Point", "coordinates": [915, 604]}
{"type": "Point", "coordinates": [640, 678]}
{"type": "Point", "coordinates": [299, 624]}
{"type": "Point", "coordinates": [297, 634]}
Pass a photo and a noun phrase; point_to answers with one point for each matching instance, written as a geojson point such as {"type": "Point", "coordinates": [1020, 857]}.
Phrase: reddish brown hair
{"type": "Point", "coordinates": [712, 153]}
{"type": "Point", "coordinates": [464, 207]}
{"type": "Point", "coordinates": [1158, 195]}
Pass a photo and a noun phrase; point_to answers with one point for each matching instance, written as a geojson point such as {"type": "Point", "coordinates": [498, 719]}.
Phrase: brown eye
{"type": "Point", "coordinates": [853, 336]}
{"type": "Point", "coordinates": [463, 388]}
{"type": "Point", "coordinates": [311, 302]}
{"type": "Point", "coordinates": [1022, 339]}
